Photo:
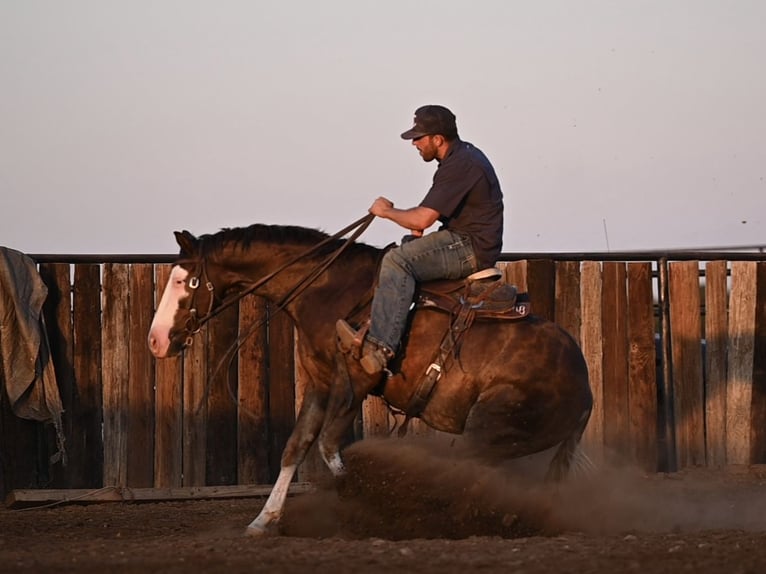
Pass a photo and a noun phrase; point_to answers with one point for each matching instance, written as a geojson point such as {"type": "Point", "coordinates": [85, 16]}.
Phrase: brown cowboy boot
{"type": "Point", "coordinates": [374, 357]}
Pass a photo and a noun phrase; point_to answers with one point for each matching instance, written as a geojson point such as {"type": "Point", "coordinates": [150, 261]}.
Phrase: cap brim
{"type": "Point", "coordinates": [413, 133]}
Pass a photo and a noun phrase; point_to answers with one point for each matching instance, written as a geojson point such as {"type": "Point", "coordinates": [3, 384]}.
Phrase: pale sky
{"type": "Point", "coordinates": [614, 125]}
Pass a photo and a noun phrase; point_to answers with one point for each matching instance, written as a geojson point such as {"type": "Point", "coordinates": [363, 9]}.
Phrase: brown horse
{"type": "Point", "coordinates": [518, 388]}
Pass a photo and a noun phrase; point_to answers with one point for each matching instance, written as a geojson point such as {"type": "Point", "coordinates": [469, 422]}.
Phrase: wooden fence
{"type": "Point", "coordinates": [676, 348]}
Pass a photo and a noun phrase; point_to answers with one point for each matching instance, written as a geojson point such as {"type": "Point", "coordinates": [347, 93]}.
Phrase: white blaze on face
{"type": "Point", "coordinates": [159, 333]}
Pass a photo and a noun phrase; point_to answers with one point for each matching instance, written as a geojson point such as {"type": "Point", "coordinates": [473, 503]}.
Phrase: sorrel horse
{"type": "Point", "coordinates": [519, 387]}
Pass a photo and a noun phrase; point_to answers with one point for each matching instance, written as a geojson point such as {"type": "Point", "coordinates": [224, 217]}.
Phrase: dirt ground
{"type": "Point", "coordinates": [413, 507]}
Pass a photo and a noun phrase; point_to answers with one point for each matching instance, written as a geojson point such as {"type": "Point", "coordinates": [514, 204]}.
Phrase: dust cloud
{"type": "Point", "coordinates": [432, 488]}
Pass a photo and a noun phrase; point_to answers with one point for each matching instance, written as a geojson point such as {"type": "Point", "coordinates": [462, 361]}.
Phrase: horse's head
{"type": "Point", "coordinates": [186, 302]}
{"type": "Point", "coordinates": [215, 271]}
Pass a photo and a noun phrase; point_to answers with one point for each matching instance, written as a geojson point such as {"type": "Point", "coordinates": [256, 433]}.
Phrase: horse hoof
{"type": "Point", "coordinates": [257, 532]}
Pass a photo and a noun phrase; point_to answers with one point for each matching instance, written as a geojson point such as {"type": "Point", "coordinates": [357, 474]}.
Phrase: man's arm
{"type": "Point", "coordinates": [416, 219]}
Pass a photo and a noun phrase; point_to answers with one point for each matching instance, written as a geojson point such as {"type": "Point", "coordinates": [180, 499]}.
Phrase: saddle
{"type": "Point", "coordinates": [481, 292]}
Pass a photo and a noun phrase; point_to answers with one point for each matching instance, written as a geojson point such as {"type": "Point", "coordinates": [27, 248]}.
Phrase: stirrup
{"type": "Point", "coordinates": [374, 360]}
{"type": "Point", "coordinates": [372, 357]}
{"type": "Point", "coordinates": [350, 339]}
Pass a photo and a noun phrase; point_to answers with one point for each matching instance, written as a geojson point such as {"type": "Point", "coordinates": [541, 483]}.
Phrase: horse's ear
{"type": "Point", "coordinates": [187, 242]}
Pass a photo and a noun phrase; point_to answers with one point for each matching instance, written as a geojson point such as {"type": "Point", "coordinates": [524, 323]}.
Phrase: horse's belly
{"type": "Point", "coordinates": [447, 407]}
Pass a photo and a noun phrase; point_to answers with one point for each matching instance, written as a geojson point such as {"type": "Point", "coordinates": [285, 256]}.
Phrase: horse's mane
{"type": "Point", "coordinates": [275, 235]}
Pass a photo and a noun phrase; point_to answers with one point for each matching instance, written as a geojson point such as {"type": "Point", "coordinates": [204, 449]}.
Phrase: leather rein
{"type": "Point", "coordinates": [195, 321]}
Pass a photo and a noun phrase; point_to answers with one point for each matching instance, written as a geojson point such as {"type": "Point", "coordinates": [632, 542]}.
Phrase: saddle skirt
{"type": "Point", "coordinates": [482, 292]}
{"type": "Point", "coordinates": [478, 296]}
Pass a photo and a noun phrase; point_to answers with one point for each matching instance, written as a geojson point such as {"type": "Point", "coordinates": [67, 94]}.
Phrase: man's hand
{"type": "Point", "coordinates": [380, 207]}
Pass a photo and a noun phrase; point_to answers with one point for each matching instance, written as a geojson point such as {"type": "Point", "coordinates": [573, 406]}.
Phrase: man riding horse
{"type": "Point", "coordinates": [522, 386]}
{"type": "Point", "coordinates": [466, 198]}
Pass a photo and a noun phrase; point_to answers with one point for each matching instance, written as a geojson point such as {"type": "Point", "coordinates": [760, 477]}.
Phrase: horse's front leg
{"type": "Point", "coordinates": [310, 419]}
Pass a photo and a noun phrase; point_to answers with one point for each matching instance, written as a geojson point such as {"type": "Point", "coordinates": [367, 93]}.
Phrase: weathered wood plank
{"type": "Point", "coordinates": [686, 344]}
{"type": "Point", "coordinates": [6, 439]}
{"type": "Point", "coordinates": [716, 335]}
{"type": "Point", "coordinates": [115, 371]}
{"type": "Point", "coordinates": [221, 459]}
{"type": "Point", "coordinates": [57, 313]}
{"type": "Point", "coordinates": [86, 445]}
{"type": "Point", "coordinates": [253, 449]}
{"type": "Point", "coordinates": [567, 305]}
{"type": "Point", "coordinates": [591, 340]}
{"type": "Point", "coordinates": [375, 417]}
{"type": "Point", "coordinates": [140, 418]}
{"type": "Point", "coordinates": [642, 387]}
{"type": "Point", "coordinates": [739, 386]}
{"type": "Point", "coordinates": [541, 284]}
{"type": "Point", "coordinates": [195, 410]}
{"type": "Point", "coordinates": [281, 386]}
{"type": "Point", "coordinates": [758, 409]}
{"type": "Point", "coordinates": [615, 341]}
{"type": "Point", "coordinates": [168, 407]}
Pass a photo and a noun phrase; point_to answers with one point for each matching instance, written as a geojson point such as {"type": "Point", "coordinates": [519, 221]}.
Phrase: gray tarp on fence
{"type": "Point", "coordinates": [27, 370]}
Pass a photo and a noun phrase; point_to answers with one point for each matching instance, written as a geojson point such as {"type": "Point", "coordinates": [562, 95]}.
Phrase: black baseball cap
{"type": "Point", "coordinates": [431, 120]}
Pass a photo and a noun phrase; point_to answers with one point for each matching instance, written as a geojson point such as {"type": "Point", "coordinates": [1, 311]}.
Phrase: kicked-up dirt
{"type": "Point", "coordinates": [415, 508]}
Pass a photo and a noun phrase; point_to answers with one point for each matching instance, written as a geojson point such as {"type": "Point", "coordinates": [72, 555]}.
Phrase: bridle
{"type": "Point", "coordinates": [195, 321]}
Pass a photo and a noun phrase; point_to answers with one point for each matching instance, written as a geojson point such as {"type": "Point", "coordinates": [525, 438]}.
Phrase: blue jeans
{"type": "Point", "coordinates": [439, 255]}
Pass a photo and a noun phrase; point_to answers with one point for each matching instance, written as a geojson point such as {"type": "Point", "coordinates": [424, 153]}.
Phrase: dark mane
{"type": "Point", "coordinates": [290, 235]}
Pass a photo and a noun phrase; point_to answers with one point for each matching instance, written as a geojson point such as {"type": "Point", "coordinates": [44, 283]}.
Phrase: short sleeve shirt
{"type": "Point", "coordinates": [466, 193]}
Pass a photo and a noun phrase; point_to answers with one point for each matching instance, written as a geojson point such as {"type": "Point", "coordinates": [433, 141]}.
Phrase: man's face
{"type": "Point", "coordinates": [426, 146]}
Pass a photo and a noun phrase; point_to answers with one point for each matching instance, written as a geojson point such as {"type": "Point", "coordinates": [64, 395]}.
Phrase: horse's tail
{"type": "Point", "coordinates": [568, 453]}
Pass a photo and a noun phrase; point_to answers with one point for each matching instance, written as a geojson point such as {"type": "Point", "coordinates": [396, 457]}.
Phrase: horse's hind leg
{"type": "Point", "coordinates": [507, 422]}
{"type": "Point", "coordinates": [303, 436]}
{"type": "Point", "coordinates": [499, 427]}
{"type": "Point", "coordinates": [561, 462]}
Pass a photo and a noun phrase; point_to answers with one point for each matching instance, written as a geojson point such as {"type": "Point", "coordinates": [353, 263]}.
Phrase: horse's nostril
{"type": "Point", "coordinates": [154, 345]}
